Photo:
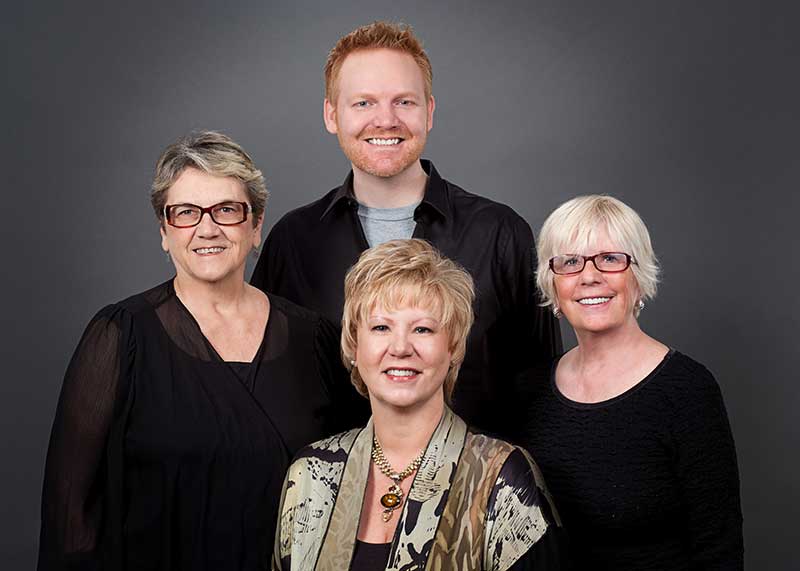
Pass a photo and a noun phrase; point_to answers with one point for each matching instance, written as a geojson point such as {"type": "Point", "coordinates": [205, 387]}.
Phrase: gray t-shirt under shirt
{"type": "Point", "coordinates": [383, 224]}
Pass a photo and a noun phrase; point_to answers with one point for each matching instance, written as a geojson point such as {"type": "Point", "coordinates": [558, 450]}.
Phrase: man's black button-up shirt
{"type": "Point", "coordinates": [308, 252]}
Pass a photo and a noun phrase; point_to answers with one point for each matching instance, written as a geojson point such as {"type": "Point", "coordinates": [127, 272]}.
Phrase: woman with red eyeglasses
{"type": "Point", "coordinates": [631, 435]}
{"type": "Point", "coordinates": [182, 405]}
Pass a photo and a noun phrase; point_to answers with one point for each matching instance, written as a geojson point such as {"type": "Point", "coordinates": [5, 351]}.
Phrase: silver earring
{"type": "Point", "coordinates": [557, 312]}
{"type": "Point", "coordinates": [640, 305]}
{"type": "Point", "coordinates": [169, 258]}
{"type": "Point", "coordinates": [352, 362]}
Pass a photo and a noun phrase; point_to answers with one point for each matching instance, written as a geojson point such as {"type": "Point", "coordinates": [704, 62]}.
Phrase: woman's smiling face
{"type": "Point", "coordinates": [209, 252]}
{"type": "Point", "coordinates": [403, 355]}
{"type": "Point", "coordinates": [595, 301]}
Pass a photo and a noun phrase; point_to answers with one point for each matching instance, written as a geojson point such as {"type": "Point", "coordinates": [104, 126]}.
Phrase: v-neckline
{"type": "Point", "coordinates": [208, 342]}
{"type": "Point", "coordinates": [255, 363]}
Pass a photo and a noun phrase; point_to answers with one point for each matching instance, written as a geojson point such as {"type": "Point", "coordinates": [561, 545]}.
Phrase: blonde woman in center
{"type": "Point", "coordinates": [415, 488]}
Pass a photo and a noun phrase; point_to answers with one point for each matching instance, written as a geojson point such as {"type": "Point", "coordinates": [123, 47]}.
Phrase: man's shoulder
{"type": "Point", "coordinates": [308, 213]}
{"type": "Point", "coordinates": [482, 209]}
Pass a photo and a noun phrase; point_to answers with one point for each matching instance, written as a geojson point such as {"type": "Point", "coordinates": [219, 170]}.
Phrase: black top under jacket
{"type": "Point", "coordinates": [308, 252]}
{"type": "Point", "coordinates": [165, 457]}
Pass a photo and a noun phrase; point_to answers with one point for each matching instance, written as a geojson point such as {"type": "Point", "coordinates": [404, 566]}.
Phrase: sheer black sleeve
{"type": "Point", "coordinates": [524, 532]}
{"type": "Point", "coordinates": [350, 409]}
{"type": "Point", "coordinates": [75, 482]}
{"type": "Point", "coordinates": [708, 475]}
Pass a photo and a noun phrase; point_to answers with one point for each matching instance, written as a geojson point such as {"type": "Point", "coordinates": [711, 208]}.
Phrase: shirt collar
{"type": "Point", "coordinates": [436, 195]}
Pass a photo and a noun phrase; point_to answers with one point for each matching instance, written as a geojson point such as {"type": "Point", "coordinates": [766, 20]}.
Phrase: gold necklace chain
{"type": "Point", "coordinates": [386, 469]}
{"type": "Point", "coordinates": [394, 497]}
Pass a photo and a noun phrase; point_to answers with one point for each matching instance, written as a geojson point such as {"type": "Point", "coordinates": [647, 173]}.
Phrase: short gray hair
{"type": "Point", "coordinates": [571, 228]}
{"type": "Point", "coordinates": [213, 153]}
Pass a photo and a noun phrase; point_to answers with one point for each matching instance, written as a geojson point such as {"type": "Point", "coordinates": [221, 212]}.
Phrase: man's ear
{"type": "Point", "coordinates": [329, 116]}
{"type": "Point", "coordinates": [431, 107]}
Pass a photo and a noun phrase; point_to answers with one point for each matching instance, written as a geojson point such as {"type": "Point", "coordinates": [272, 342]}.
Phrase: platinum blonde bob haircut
{"type": "Point", "coordinates": [212, 153]}
{"type": "Point", "coordinates": [408, 272]}
{"type": "Point", "coordinates": [571, 229]}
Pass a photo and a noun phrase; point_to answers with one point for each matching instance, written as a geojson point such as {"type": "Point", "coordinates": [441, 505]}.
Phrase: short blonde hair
{"type": "Point", "coordinates": [377, 35]}
{"type": "Point", "coordinates": [571, 229]}
{"type": "Point", "coordinates": [401, 272]}
{"type": "Point", "coordinates": [212, 153]}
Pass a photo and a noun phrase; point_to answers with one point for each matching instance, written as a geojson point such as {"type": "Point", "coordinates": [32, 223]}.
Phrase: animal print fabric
{"type": "Point", "coordinates": [446, 522]}
{"type": "Point", "coordinates": [517, 520]}
{"type": "Point", "coordinates": [309, 492]}
{"type": "Point", "coordinates": [460, 538]}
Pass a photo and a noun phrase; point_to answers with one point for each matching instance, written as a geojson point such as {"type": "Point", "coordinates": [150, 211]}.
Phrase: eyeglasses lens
{"type": "Point", "coordinates": [611, 262]}
{"type": "Point", "coordinates": [184, 215]}
{"type": "Point", "coordinates": [567, 264]}
{"type": "Point", "coordinates": [228, 213]}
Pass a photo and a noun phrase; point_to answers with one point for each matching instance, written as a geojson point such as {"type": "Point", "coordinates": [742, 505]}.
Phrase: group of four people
{"type": "Point", "coordinates": [183, 407]}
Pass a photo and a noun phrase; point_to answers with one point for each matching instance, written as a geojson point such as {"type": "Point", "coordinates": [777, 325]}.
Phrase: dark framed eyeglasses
{"type": "Point", "coordinates": [606, 262]}
{"type": "Point", "coordinates": [188, 215]}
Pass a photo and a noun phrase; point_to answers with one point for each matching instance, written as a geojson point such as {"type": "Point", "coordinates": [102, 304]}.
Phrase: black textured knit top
{"type": "Point", "coordinates": [645, 480]}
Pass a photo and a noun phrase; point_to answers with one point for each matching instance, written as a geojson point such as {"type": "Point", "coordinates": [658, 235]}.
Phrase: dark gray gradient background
{"type": "Point", "coordinates": [688, 111]}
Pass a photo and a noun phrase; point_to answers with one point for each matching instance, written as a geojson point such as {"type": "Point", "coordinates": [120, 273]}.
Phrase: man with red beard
{"type": "Point", "coordinates": [378, 103]}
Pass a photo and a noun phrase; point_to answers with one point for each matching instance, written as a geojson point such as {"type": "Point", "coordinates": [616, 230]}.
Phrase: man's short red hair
{"type": "Point", "coordinates": [376, 35]}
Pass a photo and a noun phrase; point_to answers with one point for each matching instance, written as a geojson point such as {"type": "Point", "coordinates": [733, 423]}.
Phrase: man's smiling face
{"type": "Point", "coordinates": [380, 113]}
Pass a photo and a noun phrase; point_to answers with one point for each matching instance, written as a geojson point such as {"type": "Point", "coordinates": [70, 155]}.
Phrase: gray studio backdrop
{"type": "Point", "coordinates": [688, 111]}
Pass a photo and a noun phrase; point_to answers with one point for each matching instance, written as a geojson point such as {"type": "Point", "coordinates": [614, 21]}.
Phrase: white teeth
{"type": "Point", "coordinates": [216, 250]}
{"type": "Point", "coordinates": [401, 372]}
{"type": "Point", "coordinates": [593, 300]}
{"type": "Point", "coordinates": [383, 142]}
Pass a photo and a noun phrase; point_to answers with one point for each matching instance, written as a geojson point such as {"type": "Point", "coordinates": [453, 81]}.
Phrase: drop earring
{"type": "Point", "coordinates": [557, 312]}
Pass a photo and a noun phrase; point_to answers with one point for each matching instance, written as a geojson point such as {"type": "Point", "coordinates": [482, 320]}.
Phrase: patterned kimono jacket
{"type": "Point", "coordinates": [476, 503]}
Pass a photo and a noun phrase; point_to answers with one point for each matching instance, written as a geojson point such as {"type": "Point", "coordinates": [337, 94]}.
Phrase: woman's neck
{"type": "Point", "coordinates": [403, 432]}
{"type": "Point", "coordinates": [220, 297]}
{"type": "Point", "coordinates": [609, 345]}
{"type": "Point", "coordinates": [606, 364]}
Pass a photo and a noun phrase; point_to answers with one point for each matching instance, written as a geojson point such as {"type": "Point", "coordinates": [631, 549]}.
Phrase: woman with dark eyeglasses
{"type": "Point", "coordinates": [182, 405]}
{"type": "Point", "coordinates": [631, 435]}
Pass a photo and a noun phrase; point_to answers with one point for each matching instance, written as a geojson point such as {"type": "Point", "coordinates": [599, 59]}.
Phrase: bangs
{"type": "Point", "coordinates": [580, 235]}
{"type": "Point", "coordinates": [578, 241]}
{"type": "Point", "coordinates": [396, 294]}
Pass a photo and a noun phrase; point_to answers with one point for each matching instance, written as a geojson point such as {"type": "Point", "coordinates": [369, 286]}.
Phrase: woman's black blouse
{"type": "Point", "coordinates": [163, 456]}
{"type": "Point", "coordinates": [646, 480]}
{"type": "Point", "coordinates": [370, 556]}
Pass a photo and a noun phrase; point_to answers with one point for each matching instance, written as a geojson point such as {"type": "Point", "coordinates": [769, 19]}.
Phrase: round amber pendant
{"type": "Point", "coordinates": [390, 500]}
